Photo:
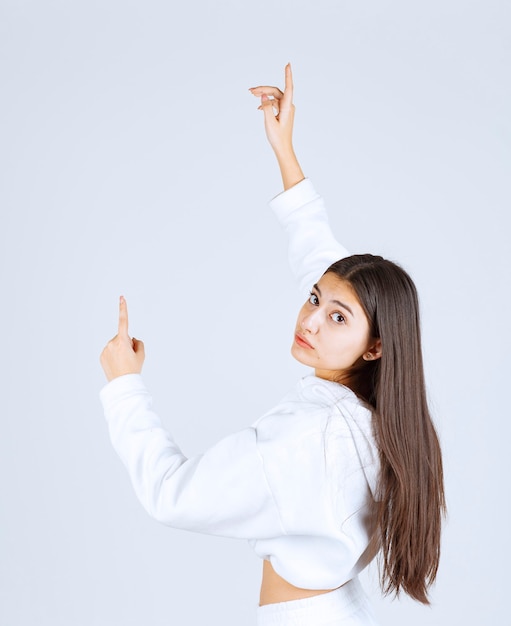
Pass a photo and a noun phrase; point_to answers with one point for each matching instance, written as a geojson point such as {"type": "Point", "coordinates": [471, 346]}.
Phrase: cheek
{"type": "Point", "coordinates": [360, 342]}
{"type": "Point", "coordinates": [350, 346]}
{"type": "Point", "coordinates": [301, 315]}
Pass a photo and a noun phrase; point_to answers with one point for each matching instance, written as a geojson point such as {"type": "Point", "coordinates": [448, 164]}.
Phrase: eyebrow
{"type": "Point", "coordinates": [341, 304]}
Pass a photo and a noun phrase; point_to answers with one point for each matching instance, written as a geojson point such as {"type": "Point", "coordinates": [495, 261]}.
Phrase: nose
{"type": "Point", "coordinates": [310, 322]}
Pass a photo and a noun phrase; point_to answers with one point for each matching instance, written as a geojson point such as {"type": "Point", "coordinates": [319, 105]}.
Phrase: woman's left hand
{"type": "Point", "coordinates": [122, 354]}
{"type": "Point", "coordinates": [279, 112]}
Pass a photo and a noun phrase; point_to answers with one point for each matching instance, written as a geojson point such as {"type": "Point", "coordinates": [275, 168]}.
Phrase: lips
{"type": "Point", "coordinates": [302, 342]}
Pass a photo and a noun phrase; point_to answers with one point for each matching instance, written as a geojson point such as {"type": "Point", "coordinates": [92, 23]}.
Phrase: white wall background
{"type": "Point", "coordinates": [133, 161]}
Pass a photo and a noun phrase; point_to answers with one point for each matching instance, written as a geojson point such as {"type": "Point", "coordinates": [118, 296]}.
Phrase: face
{"type": "Point", "coordinates": [332, 330]}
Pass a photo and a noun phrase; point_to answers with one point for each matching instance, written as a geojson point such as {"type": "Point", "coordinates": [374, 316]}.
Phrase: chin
{"type": "Point", "coordinates": [295, 353]}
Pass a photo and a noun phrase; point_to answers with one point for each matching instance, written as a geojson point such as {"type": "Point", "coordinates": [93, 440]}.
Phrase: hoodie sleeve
{"type": "Point", "coordinates": [312, 246]}
{"type": "Point", "coordinates": [221, 492]}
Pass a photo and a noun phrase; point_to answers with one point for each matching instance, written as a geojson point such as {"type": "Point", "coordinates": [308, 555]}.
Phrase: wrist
{"type": "Point", "coordinates": [290, 169]}
{"type": "Point", "coordinates": [284, 152]}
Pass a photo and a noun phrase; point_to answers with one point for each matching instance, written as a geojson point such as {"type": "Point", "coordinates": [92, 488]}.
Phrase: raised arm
{"type": "Point", "coordinates": [300, 209]}
{"type": "Point", "coordinates": [224, 491]}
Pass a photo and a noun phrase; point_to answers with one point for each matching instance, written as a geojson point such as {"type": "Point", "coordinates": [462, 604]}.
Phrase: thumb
{"type": "Point", "coordinates": [138, 346]}
{"type": "Point", "coordinates": [267, 107]}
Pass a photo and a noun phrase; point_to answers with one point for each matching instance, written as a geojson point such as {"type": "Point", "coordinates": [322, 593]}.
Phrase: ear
{"type": "Point", "coordinates": [373, 351]}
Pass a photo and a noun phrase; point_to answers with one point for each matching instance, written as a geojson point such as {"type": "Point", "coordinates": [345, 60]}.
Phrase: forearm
{"type": "Point", "coordinates": [290, 169]}
{"type": "Point", "coordinates": [223, 491]}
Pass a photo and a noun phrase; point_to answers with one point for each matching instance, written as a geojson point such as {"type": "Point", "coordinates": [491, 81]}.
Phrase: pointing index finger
{"type": "Point", "coordinates": [288, 77]}
{"type": "Point", "coordinates": [123, 317]}
{"type": "Point", "coordinates": [288, 89]}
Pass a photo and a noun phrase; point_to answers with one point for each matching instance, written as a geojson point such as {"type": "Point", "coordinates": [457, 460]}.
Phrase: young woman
{"type": "Point", "coordinates": [345, 466]}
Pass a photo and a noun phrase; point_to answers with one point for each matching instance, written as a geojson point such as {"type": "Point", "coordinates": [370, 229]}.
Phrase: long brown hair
{"type": "Point", "coordinates": [411, 498]}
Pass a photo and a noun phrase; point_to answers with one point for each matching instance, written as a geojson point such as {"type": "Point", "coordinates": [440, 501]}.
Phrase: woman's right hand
{"type": "Point", "coordinates": [279, 113]}
{"type": "Point", "coordinates": [122, 354]}
{"type": "Point", "coordinates": [279, 110]}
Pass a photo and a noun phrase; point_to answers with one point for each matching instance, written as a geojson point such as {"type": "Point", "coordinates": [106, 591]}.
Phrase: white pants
{"type": "Point", "coordinates": [346, 606]}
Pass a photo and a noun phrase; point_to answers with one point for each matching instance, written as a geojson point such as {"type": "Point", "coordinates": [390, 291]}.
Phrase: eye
{"type": "Point", "coordinates": [313, 298]}
{"type": "Point", "coordinates": [338, 318]}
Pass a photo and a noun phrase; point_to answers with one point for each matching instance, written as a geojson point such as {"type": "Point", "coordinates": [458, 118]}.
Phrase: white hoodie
{"type": "Point", "coordinates": [299, 484]}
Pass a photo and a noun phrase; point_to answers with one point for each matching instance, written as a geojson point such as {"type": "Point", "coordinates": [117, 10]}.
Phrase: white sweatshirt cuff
{"type": "Point", "coordinates": [293, 198]}
{"type": "Point", "coordinates": [121, 388]}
